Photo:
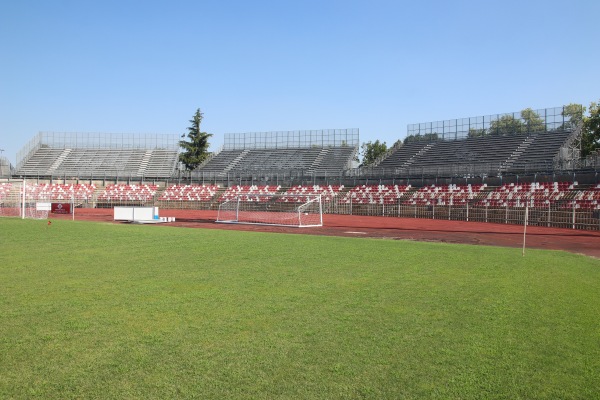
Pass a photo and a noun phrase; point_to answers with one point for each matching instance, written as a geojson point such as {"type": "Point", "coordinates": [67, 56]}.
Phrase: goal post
{"type": "Point", "coordinates": [278, 209]}
{"type": "Point", "coordinates": [12, 199]}
{"type": "Point", "coordinates": [20, 199]}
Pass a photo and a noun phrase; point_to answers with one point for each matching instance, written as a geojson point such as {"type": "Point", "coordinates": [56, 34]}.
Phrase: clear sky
{"type": "Point", "coordinates": [145, 66]}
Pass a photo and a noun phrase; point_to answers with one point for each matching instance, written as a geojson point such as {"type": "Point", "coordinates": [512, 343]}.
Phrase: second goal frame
{"type": "Point", "coordinates": [273, 209]}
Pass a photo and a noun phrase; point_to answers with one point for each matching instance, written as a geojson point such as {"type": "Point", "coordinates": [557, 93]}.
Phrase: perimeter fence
{"type": "Point", "coordinates": [567, 213]}
{"type": "Point", "coordinates": [526, 121]}
{"type": "Point", "coordinates": [292, 139]}
{"type": "Point", "coordinates": [555, 216]}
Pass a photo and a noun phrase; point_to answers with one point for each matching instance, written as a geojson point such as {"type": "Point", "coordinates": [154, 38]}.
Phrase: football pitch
{"type": "Point", "coordinates": [100, 310]}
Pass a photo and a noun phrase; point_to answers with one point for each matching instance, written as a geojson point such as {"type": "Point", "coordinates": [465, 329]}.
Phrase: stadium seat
{"type": "Point", "coordinates": [375, 194]}
{"type": "Point", "coordinates": [536, 195]}
{"type": "Point", "coordinates": [5, 188]}
{"type": "Point", "coordinates": [128, 193]}
{"type": "Point", "coordinates": [202, 193]}
{"type": "Point", "coordinates": [55, 191]}
{"type": "Point", "coordinates": [327, 193]}
{"type": "Point", "coordinates": [249, 193]}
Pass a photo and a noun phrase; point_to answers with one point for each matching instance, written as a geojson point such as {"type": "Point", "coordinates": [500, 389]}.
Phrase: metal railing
{"type": "Point", "coordinates": [564, 213]}
{"type": "Point", "coordinates": [554, 216]}
{"type": "Point", "coordinates": [292, 139]}
{"type": "Point", "coordinates": [523, 122]}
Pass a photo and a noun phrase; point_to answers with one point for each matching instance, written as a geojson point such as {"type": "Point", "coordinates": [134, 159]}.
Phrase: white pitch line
{"type": "Point", "coordinates": [358, 233]}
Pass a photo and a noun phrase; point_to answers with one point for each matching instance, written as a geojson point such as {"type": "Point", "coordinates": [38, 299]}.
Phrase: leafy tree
{"type": "Point", "coordinates": [371, 151]}
{"type": "Point", "coordinates": [474, 132]}
{"type": "Point", "coordinates": [411, 138]}
{"type": "Point", "coordinates": [533, 122]}
{"type": "Point", "coordinates": [506, 125]}
{"type": "Point", "coordinates": [573, 114]}
{"type": "Point", "coordinates": [196, 150]}
{"type": "Point", "coordinates": [428, 137]}
{"type": "Point", "coordinates": [590, 139]}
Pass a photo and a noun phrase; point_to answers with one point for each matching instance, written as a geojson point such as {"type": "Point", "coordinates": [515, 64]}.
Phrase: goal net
{"type": "Point", "coordinates": [11, 199]}
{"type": "Point", "coordinates": [37, 209]}
{"type": "Point", "coordinates": [20, 199]}
{"type": "Point", "coordinates": [272, 209]}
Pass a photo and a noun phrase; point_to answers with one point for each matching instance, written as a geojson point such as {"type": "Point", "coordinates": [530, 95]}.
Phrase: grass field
{"type": "Point", "coordinates": [94, 310]}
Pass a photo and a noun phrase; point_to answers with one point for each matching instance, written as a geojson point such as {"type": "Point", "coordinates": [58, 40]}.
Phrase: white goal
{"type": "Point", "coordinates": [21, 199]}
{"type": "Point", "coordinates": [12, 202]}
{"type": "Point", "coordinates": [36, 209]}
{"type": "Point", "coordinates": [278, 209]}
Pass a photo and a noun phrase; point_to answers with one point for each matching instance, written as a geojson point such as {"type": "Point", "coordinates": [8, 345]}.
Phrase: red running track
{"type": "Point", "coordinates": [575, 241]}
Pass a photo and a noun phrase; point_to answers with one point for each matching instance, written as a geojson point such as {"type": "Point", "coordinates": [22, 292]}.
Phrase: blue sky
{"type": "Point", "coordinates": [146, 66]}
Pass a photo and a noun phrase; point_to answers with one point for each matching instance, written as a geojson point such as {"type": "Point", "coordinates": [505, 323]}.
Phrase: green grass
{"type": "Point", "coordinates": [91, 310]}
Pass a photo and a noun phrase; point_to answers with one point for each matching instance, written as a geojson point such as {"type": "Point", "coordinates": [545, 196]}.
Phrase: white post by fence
{"type": "Point", "coordinates": [525, 227]}
{"type": "Point", "coordinates": [23, 202]}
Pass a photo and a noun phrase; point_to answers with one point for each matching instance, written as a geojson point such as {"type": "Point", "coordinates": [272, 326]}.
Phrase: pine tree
{"type": "Point", "coordinates": [196, 150]}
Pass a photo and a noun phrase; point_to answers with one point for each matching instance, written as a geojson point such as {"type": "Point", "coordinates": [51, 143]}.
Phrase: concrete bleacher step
{"type": "Point", "coordinates": [418, 154]}
{"type": "Point", "coordinates": [318, 160]}
{"type": "Point", "coordinates": [517, 153]}
{"type": "Point", "coordinates": [144, 163]}
{"type": "Point", "coordinates": [235, 162]}
{"type": "Point", "coordinates": [388, 154]}
{"type": "Point", "coordinates": [59, 160]}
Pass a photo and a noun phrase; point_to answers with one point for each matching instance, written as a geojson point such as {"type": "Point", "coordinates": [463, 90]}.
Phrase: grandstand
{"type": "Point", "coordinates": [317, 153]}
{"type": "Point", "coordinates": [89, 155]}
{"type": "Point", "coordinates": [470, 169]}
{"type": "Point", "coordinates": [489, 155]}
{"type": "Point", "coordinates": [476, 146]}
{"type": "Point", "coordinates": [467, 147]}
